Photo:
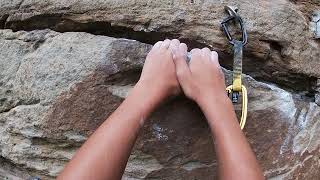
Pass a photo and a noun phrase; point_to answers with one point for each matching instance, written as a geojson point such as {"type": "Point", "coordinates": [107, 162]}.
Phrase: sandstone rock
{"type": "Point", "coordinates": [11, 171]}
{"type": "Point", "coordinates": [37, 71]}
{"type": "Point", "coordinates": [281, 48]}
{"type": "Point", "coordinates": [56, 88]}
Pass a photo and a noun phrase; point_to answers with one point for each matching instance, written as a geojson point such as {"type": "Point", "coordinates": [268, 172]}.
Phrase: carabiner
{"type": "Point", "coordinates": [244, 104]}
{"type": "Point", "coordinates": [234, 16]}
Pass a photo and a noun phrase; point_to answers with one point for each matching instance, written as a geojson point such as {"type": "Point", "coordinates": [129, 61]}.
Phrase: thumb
{"type": "Point", "coordinates": [180, 60]}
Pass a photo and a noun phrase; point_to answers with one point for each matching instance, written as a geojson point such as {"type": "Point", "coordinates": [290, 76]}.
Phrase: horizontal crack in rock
{"type": "Point", "coordinates": [291, 81]}
{"type": "Point", "coordinates": [21, 103]}
{"type": "Point", "coordinates": [3, 20]}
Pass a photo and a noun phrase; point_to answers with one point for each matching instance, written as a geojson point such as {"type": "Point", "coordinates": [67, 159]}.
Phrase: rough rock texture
{"type": "Point", "coordinates": [281, 48]}
{"type": "Point", "coordinates": [56, 88]}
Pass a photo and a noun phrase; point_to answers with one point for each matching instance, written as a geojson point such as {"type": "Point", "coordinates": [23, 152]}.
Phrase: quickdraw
{"type": "Point", "coordinates": [236, 88]}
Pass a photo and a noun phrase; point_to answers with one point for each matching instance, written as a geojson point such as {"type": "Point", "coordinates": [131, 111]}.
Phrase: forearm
{"type": "Point", "coordinates": [236, 159]}
{"type": "Point", "coordinates": [104, 155]}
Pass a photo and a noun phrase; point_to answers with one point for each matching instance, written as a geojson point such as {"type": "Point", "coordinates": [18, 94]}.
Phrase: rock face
{"type": "Point", "coordinates": [57, 86]}
{"type": "Point", "coordinates": [281, 48]}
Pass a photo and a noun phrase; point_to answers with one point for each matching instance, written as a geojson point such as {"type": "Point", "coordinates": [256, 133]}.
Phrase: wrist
{"type": "Point", "coordinates": [212, 99]}
{"type": "Point", "coordinates": [152, 89]}
{"type": "Point", "coordinates": [141, 101]}
{"type": "Point", "coordinates": [148, 93]}
{"type": "Point", "coordinates": [217, 109]}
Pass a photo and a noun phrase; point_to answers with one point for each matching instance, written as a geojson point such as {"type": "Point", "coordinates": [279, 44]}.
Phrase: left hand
{"type": "Point", "coordinates": [159, 73]}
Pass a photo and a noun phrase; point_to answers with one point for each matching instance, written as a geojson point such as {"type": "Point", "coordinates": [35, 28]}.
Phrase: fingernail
{"type": "Point", "coordinates": [213, 54]}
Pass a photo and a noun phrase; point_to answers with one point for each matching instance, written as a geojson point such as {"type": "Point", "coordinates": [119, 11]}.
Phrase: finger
{"type": "Point", "coordinates": [206, 51]}
{"type": "Point", "coordinates": [165, 44]}
{"type": "Point", "coordinates": [195, 51]}
{"type": "Point", "coordinates": [180, 55]}
{"type": "Point", "coordinates": [196, 60]}
{"type": "Point", "coordinates": [157, 45]}
{"type": "Point", "coordinates": [174, 44]}
{"type": "Point", "coordinates": [183, 47]}
{"type": "Point", "coordinates": [214, 57]}
{"type": "Point", "coordinates": [180, 61]}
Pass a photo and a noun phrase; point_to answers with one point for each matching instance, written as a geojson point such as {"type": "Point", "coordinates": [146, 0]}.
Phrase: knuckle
{"type": "Point", "coordinates": [180, 55]}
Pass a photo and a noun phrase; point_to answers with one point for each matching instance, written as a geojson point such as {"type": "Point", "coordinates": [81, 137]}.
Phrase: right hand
{"type": "Point", "coordinates": [203, 78]}
{"type": "Point", "coordinates": [158, 75]}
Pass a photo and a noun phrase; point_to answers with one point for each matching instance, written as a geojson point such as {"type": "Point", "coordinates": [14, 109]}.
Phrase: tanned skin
{"type": "Point", "coordinates": [105, 154]}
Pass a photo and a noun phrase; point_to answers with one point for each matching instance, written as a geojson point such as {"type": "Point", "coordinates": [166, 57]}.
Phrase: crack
{"type": "Point", "coordinates": [61, 23]}
{"type": "Point", "coordinates": [21, 103]}
{"type": "Point", "coordinates": [19, 5]}
{"type": "Point", "coordinates": [21, 170]}
{"type": "Point", "coordinates": [271, 28]}
{"type": "Point", "coordinates": [38, 43]}
{"type": "Point", "coordinates": [10, 170]}
{"type": "Point", "coordinates": [192, 165]}
{"type": "Point", "coordinates": [60, 144]}
{"type": "Point", "coordinates": [3, 20]}
{"type": "Point", "coordinates": [274, 45]}
{"type": "Point", "coordinates": [291, 81]}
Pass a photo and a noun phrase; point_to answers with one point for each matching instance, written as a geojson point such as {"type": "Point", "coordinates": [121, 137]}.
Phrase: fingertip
{"type": "Point", "coordinates": [214, 56]}
{"type": "Point", "coordinates": [175, 41]}
{"type": "Point", "coordinates": [195, 50]}
{"type": "Point", "coordinates": [157, 44]}
{"type": "Point", "coordinates": [165, 44]}
{"type": "Point", "coordinates": [183, 47]}
{"type": "Point", "coordinates": [174, 44]}
{"type": "Point", "coordinates": [205, 49]}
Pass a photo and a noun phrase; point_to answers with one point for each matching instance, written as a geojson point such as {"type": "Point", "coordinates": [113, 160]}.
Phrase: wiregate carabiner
{"type": "Point", "coordinates": [234, 16]}
{"type": "Point", "coordinates": [244, 110]}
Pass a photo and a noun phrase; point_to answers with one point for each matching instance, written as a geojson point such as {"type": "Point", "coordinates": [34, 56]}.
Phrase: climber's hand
{"type": "Point", "coordinates": [158, 73]}
{"type": "Point", "coordinates": [203, 78]}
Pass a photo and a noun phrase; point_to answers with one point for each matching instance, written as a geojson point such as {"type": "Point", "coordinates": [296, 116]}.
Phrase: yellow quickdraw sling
{"type": "Point", "coordinates": [237, 88]}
